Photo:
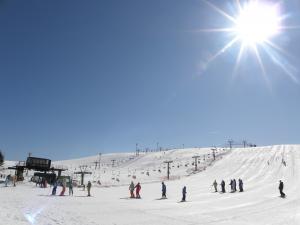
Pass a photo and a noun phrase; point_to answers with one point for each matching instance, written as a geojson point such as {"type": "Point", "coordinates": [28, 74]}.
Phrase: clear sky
{"type": "Point", "coordinates": [82, 77]}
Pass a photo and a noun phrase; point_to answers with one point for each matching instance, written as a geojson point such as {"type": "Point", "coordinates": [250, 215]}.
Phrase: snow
{"type": "Point", "coordinates": [260, 168]}
{"type": "Point", "coordinates": [128, 165]}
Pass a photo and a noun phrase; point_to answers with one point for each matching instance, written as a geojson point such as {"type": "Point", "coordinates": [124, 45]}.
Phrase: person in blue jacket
{"type": "Point", "coordinates": [54, 187]}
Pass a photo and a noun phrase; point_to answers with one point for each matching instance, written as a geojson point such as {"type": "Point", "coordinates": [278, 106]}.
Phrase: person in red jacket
{"type": "Point", "coordinates": [137, 190]}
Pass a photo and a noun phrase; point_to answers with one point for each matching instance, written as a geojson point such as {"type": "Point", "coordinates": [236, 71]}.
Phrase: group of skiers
{"type": "Point", "coordinates": [233, 185]}
{"type": "Point", "coordinates": [42, 182]}
{"type": "Point", "coordinates": [137, 188]}
{"type": "Point", "coordinates": [63, 184]}
{"type": "Point", "coordinates": [70, 186]}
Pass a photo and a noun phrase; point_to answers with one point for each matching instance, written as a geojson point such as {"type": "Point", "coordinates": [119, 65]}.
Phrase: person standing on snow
{"type": "Point", "coordinates": [231, 185]}
{"type": "Point", "coordinates": [131, 189]}
{"type": "Point", "coordinates": [137, 190]}
{"type": "Point", "coordinates": [215, 184]}
{"type": "Point", "coordinates": [223, 186]}
{"type": "Point", "coordinates": [183, 194]}
{"type": "Point", "coordinates": [14, 180]}
{"type": "Point", "coordinates": [282, 194]}
{"type": "Point", "coordinates": [241, 185]}
{"type": "Point", "coordinates": [89, 186]}
{"type": "Point", "coordinates": [62, 193]}
{"type": "Point", "coordinates": [234, 185]}
{"type": "Point", "coordinates": [71, 188]}
{"type": "Point", "coordinates": [7, 180]}
{"type": "Point", "coordinates": [54, 188]}
{"type": "Point", "coordinates": [163, 190]}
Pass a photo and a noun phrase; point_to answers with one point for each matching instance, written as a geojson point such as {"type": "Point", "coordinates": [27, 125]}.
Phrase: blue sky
{"type": "Point", "coordinates": [78, 78]}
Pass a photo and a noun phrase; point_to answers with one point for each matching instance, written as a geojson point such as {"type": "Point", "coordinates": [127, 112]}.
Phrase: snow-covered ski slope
{"type": "Point", "coordinates": [260, 168]}
{"type": "Point", "coordinates": [120, 168]}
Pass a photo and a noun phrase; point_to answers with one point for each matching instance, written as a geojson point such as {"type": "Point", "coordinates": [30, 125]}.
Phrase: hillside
{"type": "Point", "coordinates": [260, 168]}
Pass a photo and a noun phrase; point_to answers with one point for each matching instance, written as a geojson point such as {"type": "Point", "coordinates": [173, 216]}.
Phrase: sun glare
{"type": "Point", "coordinates": [254, 27]}
{"type": "Point", "coordinates": [257, 22]}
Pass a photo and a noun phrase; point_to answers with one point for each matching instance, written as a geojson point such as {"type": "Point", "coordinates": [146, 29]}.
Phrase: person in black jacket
{"type": "Point", "coordinates": [183, 194]}
{"type": "Point", "coordinates": [282, 194]}
{"type": "Point", "coordinates": [163, 190]}
{"type": "Point", "coordinates": [231, 185]}
{"type": "Point", "coordinates": [223, 186]}
{"type": "Point", "coordinates": [89, 186]}
{"type": "Point", "coordinates": [241, 185]}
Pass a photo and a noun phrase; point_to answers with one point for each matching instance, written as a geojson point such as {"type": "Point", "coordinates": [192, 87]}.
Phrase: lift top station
{"type": "Point", "coordinates": [42, 165]}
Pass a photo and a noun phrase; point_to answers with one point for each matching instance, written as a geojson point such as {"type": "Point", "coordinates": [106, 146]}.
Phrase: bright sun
{"type": "Point", "coordinates": [257, 22]}
{"type": "Point", "coordinates": [254, 27]}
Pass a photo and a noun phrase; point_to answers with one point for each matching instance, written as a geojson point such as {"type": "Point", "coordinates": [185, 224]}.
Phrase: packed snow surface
{"type": "Point", "coordinates": [260, 168]}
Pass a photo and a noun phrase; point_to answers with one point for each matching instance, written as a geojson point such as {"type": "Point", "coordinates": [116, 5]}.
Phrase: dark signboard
{"type": "Point", "coordinates": [38, 163]}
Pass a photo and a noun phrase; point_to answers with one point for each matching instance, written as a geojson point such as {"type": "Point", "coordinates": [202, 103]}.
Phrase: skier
{"type": "Point", "coordinates": [283, 162]}
{"type": "Point", "coordinates": [234, 185]}
{"type": "Point", "coordinates": [183, 194]}
{"type": "Point", "coordinates": [223, 186]}
{"type": "Point", "coordinates": [44, 183]}
{"type": "Point", "coordinates": [37, 182]}
{"type": "Point", "coordinates": [14, 180]}
{"type": "Point", "coordinates": [215, 184]}
{"type": "Point", "coordinates": [137, 190]}
{"type": "Point", "coordinates": [282, 195]}
{"type": "Point", "coordinates": [54, 188]}
{"type": "Point", "coordinates": [131, 189]}
{"type": "Point", "coordinates": [71, 188]}
{"type": "Point", "coordinates": [62, 193]}
{"type": "Point", "coordinates": [241, 185]}
{"type": "Point", "coordinates": [7, 180]}
{"type": "Point", "coordinates": [89, 186]}
{"type": "Point", "coordinates": [164, 190]}
{"type": "Point", "coordinates": [231, 185]}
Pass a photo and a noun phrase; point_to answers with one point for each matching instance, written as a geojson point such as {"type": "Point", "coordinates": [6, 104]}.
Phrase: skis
{"type": "Point", "coordinates": [161, 198]}
{"type": "Point", "coordinates": [182, 201]}
{"type": "Point", "coordinates": [128, 198]}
